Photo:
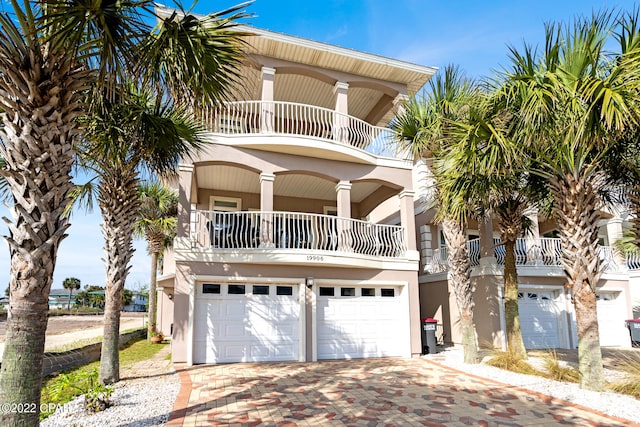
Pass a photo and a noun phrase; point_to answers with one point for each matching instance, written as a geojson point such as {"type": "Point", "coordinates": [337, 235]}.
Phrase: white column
{"type": "Point", "coordinates": [614, 233]}
{"type": "Point", "coordinates": [407, 218]}
{"type": "Point", "coordinates": [268, 108]}
{"type": "Point", "coordinates": [341, 121]}
{"type": "Point", "coordinates": [614, 230]}
{"type": "Point", "coordinates": [184, 228]}
{"type": "Point", "coordinates": [266, 207]}
{"type": "Point", "coordinates": [532, 238]}
{"type": "Point", "coordinates": [343, 196]}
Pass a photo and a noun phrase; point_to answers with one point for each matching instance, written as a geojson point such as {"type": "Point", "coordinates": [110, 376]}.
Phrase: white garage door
{"type": "Point", "coordinates": [539, 319]}
{"type": "Point", "coordinates": [611, 317]}
{"type": "Point", "coordinates": [361, 321]}
{"type": "Point", "coordinates": [246, 323]}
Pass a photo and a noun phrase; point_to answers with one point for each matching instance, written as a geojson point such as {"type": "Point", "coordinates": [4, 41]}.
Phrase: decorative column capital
{"type": "Point", "coordinates": [343, 185]}
{"type": "Point", "coordinates": [341, 87]}
{"type": "Point", "coordinates": [267, 177]}
{"type": "Point", "coordinates": [269, 71]}
{"type": "Point", "coordinates": [406, 193]}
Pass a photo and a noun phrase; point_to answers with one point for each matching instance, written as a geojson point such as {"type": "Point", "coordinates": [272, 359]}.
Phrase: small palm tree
{"type": "Point", "coordinates": [157, 220]}
{"type": "Point", "coordinates": [72, 284]}
{"type": "Point", "coordinates": [424, 127]}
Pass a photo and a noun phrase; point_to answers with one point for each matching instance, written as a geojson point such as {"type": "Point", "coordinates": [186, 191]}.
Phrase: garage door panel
{"type": "Point", "coordinates": [360, 326]}
{"type": "Point", "coordinates": [540, 319]}
{"type": "Point", "coordinates": [246, 327]}
{"type": "Point", "coordinates": [235, 310]}
{"type": "Point", "coordinates": [611, 317]}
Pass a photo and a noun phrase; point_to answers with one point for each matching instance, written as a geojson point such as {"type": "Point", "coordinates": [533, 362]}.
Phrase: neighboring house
{"type": "Point", "coordinates": [275, 258]}
{"type": "Point", "coordinates": [4, 303]}
{"type": "Point", "coordinates": [59, 298]}
{"type": "Point", "coordinates": [139, 302]}
{"type": "Point", "coordinates": [547, 315]}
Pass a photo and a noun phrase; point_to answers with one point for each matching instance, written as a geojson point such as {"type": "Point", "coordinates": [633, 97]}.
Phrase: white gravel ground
{"type": "Point", "coordinates": [615, 404]}
{"type": "Point", "coordinates": [136, 403]}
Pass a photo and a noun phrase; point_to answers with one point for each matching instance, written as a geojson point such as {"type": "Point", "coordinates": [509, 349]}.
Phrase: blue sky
{"type": "Point", "coordinates": [471, 34]}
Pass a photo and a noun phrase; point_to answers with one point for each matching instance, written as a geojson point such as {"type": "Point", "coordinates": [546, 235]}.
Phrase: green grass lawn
{"type": "Point", "coordinates": [135, 352]}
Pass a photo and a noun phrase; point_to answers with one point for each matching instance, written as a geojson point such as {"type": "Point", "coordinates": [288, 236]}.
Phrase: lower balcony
{"type": "Point", "coordinates": [295, 238]}
{"type": "Point", "coordinates": [543, 252]}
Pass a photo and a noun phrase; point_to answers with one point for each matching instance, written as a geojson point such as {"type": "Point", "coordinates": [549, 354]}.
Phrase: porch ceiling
{"type": "Point", "coordinates": [234, 179]}
{"type": "Point", "coordinates": [307, 90]}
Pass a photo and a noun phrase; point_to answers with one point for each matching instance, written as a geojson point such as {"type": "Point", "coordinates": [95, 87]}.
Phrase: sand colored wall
{"type": "Point", "coordinates": [168, 262]}
{"type": "Point", "coordinates": [487, 311]}
{"type": "Point", "coordinates": [186, 270]}
{"type": "Point", "coordinates": [436, 302]}
{"type": "Point", "coordinates": [164, 318]}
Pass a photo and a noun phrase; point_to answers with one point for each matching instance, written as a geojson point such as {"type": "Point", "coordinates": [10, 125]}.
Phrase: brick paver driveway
{"type": "Point", "coordinates": [372, 392]}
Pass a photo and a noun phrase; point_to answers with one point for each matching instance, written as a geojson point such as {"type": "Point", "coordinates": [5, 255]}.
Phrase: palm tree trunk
{"type": "Point", "coordinates": [577, 215]}
{"type": "Point", "coordinates": [119, 203]}
{"type": "Point", "coordinates": [460, 276]}
{"type": "Point", "coordinates": [152, 294]}
{"type": "Point", "coordinates": [21, 374]}
{"type": "Point", "coordinates": [39, 103]}
{"type": "Point", "coordinates": [515, 343]}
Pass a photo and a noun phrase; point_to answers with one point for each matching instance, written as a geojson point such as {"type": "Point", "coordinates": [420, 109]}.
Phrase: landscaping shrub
{"type": "Point", "coordinates": [510, 361]}
{"type": "Point", "coordinates": [557, 371]}
{"type": "Point", "coordinates": [631, 383]}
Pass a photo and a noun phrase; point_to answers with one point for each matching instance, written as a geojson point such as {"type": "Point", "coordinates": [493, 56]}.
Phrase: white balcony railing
{"type": "Point", "coordinates": [255, 230]}
{"type": "Point", "coordinates": [528, 252]}
{"type": "Point", "coordinates": [290, 118]}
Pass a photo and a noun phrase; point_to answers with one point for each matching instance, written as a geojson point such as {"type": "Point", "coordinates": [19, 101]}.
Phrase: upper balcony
{"type": "Point", "coordinates": [541, 254]}
{"type": "Point", "coordinates": [266, 118]}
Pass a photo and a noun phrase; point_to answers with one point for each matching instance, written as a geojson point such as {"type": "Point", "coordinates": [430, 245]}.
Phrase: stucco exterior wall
{"type": "Point", "coordinates": [164, 318]}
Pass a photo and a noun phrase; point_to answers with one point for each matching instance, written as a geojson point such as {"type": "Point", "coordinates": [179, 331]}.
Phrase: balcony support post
{"type": "Point", "coordinates": [408, 219]}
{"type": "Point", "coordinates": [614, 233]}
{"type": "Point", "coordinates": [343, 196]}
{"type": "Point", "coordinates": [266, 206]}
{"type": "Point", "coordinates": [532, 238]}
{"type": "Point", "coordinates": [267, 112]}
{"type": "Point", "coordinates": [341, 119]}
{"type": "Point", "coordinates": [185, 184]}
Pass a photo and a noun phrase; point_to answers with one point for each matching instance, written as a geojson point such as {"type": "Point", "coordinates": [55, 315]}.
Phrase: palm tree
{"type": "Point", "coordinates": [571, 102]}
{"type": "Point", "coordinates": [157, 220]}
{"type": "Point", "coordinates": [423, 127]}
{"type": "Point", "coordinates": [50, 53]}
{"type": "Point", "coordinates": [135, 132]}
{"type": "Point", "coordinates": [72, 284]}
{"type": "Point", "coordinates": [487, 169]}
{"type": "Point", "coordinates": [149, 126]}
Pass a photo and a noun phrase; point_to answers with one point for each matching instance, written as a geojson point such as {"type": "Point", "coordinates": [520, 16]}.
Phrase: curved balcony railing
{"type": "Point", "coordinates": [298, 231]}
{"type": "Point", "coordinates": [290, 118]}
{"type": "Point", "coordinates": [544, 251]}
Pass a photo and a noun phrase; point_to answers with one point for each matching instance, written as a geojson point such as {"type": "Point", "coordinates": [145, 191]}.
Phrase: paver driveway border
{"type": "Point", "coordinates": [369, 392]}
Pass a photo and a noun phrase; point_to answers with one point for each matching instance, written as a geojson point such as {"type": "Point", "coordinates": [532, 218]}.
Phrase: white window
{"type": "Point", "coordinates": [331, 210]}
{"type": "Point", "coordinates": [225, 204]}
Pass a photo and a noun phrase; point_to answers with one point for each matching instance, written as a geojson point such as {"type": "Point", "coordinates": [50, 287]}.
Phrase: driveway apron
{"type": "Point", "coordinates": [364, 392]}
